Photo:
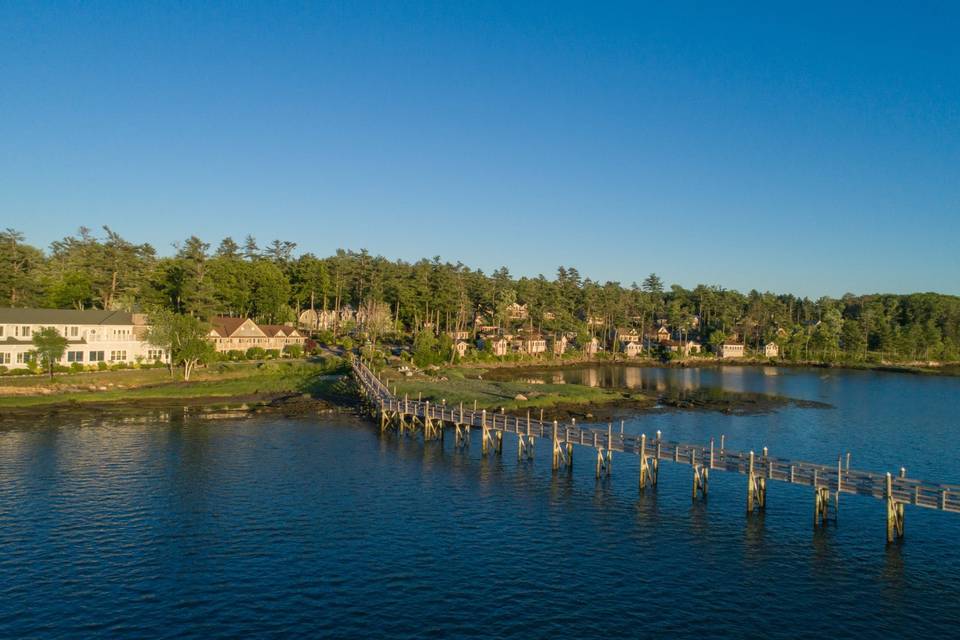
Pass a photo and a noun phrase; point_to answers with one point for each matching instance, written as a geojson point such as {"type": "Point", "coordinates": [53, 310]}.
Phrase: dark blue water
{"type": "Point", "coordinates": [320, 527]}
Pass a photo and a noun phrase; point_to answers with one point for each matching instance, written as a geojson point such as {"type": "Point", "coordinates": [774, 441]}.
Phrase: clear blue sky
{"type": "Point", "coordinates": [813, 149]}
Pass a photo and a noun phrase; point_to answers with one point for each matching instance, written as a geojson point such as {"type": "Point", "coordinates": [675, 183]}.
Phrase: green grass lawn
{"type": "Point", "coordinates": [463, 385]}
{"type": "Point", "coordinates": [217, 381]}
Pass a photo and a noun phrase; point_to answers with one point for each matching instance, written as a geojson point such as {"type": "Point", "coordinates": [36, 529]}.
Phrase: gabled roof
{"type": "Point", "coordinates": [12, 315]}
{"type": "Point", "coordinates": [226, 326]}
{"type": "Point", "coordinates": [273, 330]}
{"type": "Point", "coordinates": [282, 330]}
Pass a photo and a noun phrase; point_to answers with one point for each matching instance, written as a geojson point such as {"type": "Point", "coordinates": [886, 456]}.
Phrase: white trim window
{"type": "Point", "coordinates": [118, 356]}
{"type": "Point", "coordinates": [4, 356]}
{"type": "Point", "coordinates": [74, 356]}
{"type": "Point", "coordinates": [96, 356]}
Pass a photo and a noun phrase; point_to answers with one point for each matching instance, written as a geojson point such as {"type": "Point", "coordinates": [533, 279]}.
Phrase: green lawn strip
{"type": "Point", "coordinates": [494, 394]}
{"type": "Point", "coordinates": [320, 380]}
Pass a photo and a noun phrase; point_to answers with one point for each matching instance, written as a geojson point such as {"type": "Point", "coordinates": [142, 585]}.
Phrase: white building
{"type": "Point", "coordinates": [631, 349]}
{"type": "Point", "coordinates": [92, 336]}
{"type": "Point", "coordinates": [730, 350]}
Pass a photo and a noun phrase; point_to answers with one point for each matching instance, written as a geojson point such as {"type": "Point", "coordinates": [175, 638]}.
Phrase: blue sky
{"type": "Point", "coordinates": [814, 149]}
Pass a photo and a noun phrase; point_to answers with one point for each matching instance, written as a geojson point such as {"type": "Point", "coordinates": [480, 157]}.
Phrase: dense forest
{"type": "Point", "coordinates": [273, 284]}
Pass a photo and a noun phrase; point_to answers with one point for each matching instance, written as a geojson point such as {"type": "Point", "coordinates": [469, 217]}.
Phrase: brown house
{"type": "Point", "coordinates": [240, 334]}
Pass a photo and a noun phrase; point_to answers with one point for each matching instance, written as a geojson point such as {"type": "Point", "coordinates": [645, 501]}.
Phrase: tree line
{"type": "Point", "coordinates": [273, 284]}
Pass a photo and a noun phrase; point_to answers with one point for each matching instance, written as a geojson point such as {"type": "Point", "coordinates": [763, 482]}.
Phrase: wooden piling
{"type": "Point", "coordinates": [556, 448]}
{"type": "Point", "coordinates": [894, 513]}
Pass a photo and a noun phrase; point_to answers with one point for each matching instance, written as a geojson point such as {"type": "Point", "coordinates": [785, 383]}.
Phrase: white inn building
{"type": "Point", "coordinates": [92, 336]}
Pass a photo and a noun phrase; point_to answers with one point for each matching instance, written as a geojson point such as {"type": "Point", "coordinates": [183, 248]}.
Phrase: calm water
{"type": "Point", "coordinates": [319, 527]}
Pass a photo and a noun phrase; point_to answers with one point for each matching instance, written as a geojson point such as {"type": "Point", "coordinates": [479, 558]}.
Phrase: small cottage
{"type": "Point", "coordinates": [632, 349]}
{"type": "Point", "coordinates": [730, 350]}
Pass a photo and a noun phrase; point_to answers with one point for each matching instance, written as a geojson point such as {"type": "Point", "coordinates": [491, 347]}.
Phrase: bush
{"type": "Point", "coordinates": [256, 353]}
{"type": "Point", "coordinates": [273, 353]}
{"type": "Point", "coordinates": [293, 350]}
{"type": "Point", "coordinates": [20, 372]}
{"type": "Point", "coordinates": [3, 369]}
{"type": "Point", "coordinates": [235, 354]}
{"type": "Point", "coordinates": [102, 366]}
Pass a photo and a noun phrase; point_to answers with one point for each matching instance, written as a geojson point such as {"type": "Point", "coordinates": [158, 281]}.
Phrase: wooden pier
{"type": "Point", "coordinates": [828, 482]}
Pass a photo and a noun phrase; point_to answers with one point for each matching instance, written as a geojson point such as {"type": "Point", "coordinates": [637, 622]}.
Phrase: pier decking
{"type": "Point", "coordinates": [827, 481]}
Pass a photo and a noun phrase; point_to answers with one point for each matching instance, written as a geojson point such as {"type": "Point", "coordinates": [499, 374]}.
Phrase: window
{"type": "Point", "coordinates": [1, 330]}
{"type": "Point", "coordinates": [96, 356]}
{"type": "Point", "coordinates": [25, 331]}
{"type": "Point", "coordinates": [155, 354]}
{"type": "Point", "coordinates": [4, 357]}
{"type": "Point", "coordinates": [74, 356]}
{"type": "Point", "coordinates": [118, 356]}
{"type": "Point", "coordinates": [74, 332]}
{"type": "Point", "coordinates": [24, 358]}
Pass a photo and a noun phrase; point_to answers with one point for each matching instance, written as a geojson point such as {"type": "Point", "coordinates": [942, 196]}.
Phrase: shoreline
{"type": "Point", "coordinates": [286, 404]}
{"type": "Point", "coordinates": [942, 369]}
{"type": "Point", "coordinates": [327, 394]}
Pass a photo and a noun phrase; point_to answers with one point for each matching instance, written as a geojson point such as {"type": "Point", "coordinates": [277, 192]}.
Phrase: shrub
{"type": "Point", "coordinates": [273, 353]}
{"type": "Point", "coordinates": [293, 350]}
{"type": "Point", "coordinates": [3, 369]}
{"type": "Point", "coordinates": [236, 354]}
{"type": "Point", "coordinates": [102, 366]}
{"type": "Point", "coordinates": [256, 353]}
{"type": "Point", "coordinates": [20, 372]}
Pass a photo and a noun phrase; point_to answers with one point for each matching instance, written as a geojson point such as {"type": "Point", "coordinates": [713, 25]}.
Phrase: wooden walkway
{"type": "Point", "coordinates": [827, 481]}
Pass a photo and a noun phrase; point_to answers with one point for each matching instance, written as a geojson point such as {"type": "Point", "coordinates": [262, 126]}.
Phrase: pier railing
{"type": "Point", "coordinates": [828, 481]}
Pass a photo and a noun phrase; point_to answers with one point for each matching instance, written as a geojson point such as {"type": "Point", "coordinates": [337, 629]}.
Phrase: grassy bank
{"type": "Point", "coordinates": [517, 394]}
{"type": "Point", "coordinates": [462, 384]}
{"type": "Point", "coordinates": [321, 379]}
{"type": "Point", "coordinates": [549, 362]}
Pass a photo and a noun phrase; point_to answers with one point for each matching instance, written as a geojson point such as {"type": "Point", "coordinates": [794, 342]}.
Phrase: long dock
{"type": "Point", "coordinates": [827, 481]}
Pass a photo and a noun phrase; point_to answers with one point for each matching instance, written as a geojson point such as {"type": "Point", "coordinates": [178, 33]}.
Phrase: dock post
{"type": "Point", "coordinates": [711, 453]}
{"type": "Point", "coordinates": [644, 470]}
{"type": "Point", "coordinates": [836, 499]}
{"type": "Point", "coordinates": [485, 435]}
{"type": "Point", "coordinates": [701, 476]}
{"type": "Point", "coordinates": [556, 448]}
{"type": "Point", "coordinates": [821, 502]}
{"type": "Point", "coordinates": [894, 513]}
{"type": "Point", "coordinates": [609, 448]}
{"type": "Point", "coordinates": [756, 488]}
{"type": "Point", "coordinates": [427, 423]}
{"type": "Point", "coordinates": [656, 461]}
